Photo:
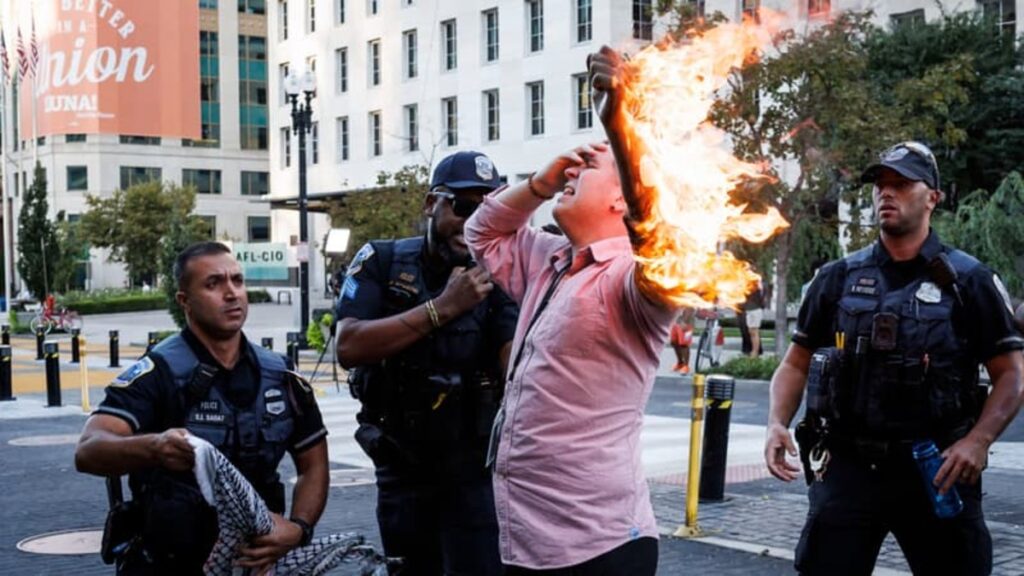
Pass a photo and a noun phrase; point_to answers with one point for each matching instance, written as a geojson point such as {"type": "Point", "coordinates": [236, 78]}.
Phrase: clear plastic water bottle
{"type": "Point", "coordinates": [926, 454]}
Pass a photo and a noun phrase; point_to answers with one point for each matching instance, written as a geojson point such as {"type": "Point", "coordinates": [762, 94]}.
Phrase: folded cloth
{"type": "Point", "coordinates": [242, 514]}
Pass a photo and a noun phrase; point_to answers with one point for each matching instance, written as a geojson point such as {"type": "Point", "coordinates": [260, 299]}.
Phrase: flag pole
{"type": "Point", "coordinates": [4, 195]}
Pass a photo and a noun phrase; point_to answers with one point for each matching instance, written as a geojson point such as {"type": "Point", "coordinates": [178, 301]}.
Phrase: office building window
{"type": "Point", "coordinates": [259, 229]}
{"type": "Point", "coordinates": [139, 140]}
{"type": "Point", "coordinates": [314, 142]}
{"type": "Point", "coordinates": [584, 20]}
{"type": "Point", "coordinates": [341, 133]}
{"type": "Point", "coordinates": [450, 117]}
{"type": "Point", "coordinates": [581, 93]}
{"type": "Point", "coordinates": [310, 16]}
{"type": "Point", "coordinates": [78, 178]}
{"type": "Point", "coordinates": [1003, 12]}
{"type": "Point", "coordinates": [255, 183]}
{"type": "Point", "coordinates": [818, 8]}
{"type": "Point", "coordinates": [286, 147]}
{"type": "Point", "coordinates": [376, 145]}
{"type": "Point", "coordinates": [643, 19]}
{"type": "Point", "coordinates": [449, 45]}
{"type": "Point", "coordinates": [409, 52]}
{"type": "Point", "coordinates": [339, 12]}
{"type": "Point", "coordinates": [373, 55]}
{"type": "Point", "coordinates": [282, 20]}
{"type": "Point", "coordinates": [204, 181]}
{"type": "Point", "coordinates": [491, 34]}
{"type": "Point", "coordinates": [492, 115]}
{"type": "Point", "coordinates": [412, 127]}
{"type": "Point", "coordinates": [535, 24]}
{"type": "Point", "coordinates": [132, 175]}
{"type": "Point", "coordinates": [209, 91]}
{"type": "Point", "coordinates": [245, 6]}
{"type": "Point", "coordinates": [749, 7]}
{"type": "Point", "coordinates": [282, 74]}
{"type": "Point", "coordinates": [535, 103]}
{"type": "Point", "coordinates": [209, 4]}
{"type": "Point", "coordinates": [341, 63]}
{"type": "Point", "coordinates": [372, 7]}
{"type": "Point", "coordinates": [74, 138]}
{"type": "Point", "coordinates": [210, 224]}
{"type": "Point", "coordinates": [904, 19]}
{"type": "Point", "coordinates": [252, 92]}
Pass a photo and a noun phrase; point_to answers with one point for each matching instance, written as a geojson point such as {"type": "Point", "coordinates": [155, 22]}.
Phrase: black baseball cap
{"type": "Point", "coordinates": [466, 170]}
{"type": "Point", "coordinates": [912, 160]}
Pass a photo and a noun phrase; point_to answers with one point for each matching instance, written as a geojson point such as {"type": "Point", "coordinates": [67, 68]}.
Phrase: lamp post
{"type": "Point", "coordinates": [302, 114]}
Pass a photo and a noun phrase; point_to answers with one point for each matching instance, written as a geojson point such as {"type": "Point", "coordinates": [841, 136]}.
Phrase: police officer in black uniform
{"type": "Point", "coordinates": [888, 341]}
{"type": "Point", "coordinates": [208, 381]}
{"type": "Point", "coordinates": [428, 336]}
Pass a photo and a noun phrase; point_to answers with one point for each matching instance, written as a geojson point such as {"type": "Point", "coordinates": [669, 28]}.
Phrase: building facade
{"type": "Point", "coordinates": [228, 165]}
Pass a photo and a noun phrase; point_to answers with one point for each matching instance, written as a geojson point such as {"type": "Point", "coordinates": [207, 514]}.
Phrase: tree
{"type": "Point", "coordinates": [393, 210]}
{"type": "Point", "coordinates": [183, 229]}
{"type": "Point", "coordinates": [132, 224]}
{"type": "Point", "coordinates": [71, 250]}
{"type": "Point", "coordinates": [37, 239]}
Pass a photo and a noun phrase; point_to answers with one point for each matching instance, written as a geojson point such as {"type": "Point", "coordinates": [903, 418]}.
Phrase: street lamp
{"type": "Point", "coordinates": [302, 115]}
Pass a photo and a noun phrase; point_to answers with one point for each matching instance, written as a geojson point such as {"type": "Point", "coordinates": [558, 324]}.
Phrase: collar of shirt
{"type": "Point", "coordinates": [930, 249]}
{"type": "Point", "coordinates": [206, 357]}
{"type": "Point", "coordinates": [600, 251]}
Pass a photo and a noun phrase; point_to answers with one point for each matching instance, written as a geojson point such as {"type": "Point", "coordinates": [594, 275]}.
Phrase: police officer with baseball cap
{"type": "Point", "coordinates": [428, 336]}
{"type": "Point", "coordinates": [888, 343]}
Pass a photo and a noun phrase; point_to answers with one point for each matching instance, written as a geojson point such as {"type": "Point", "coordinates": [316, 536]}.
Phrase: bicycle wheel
{"type": "Point", "coordinates": [70, 321]}
{"type": "Point", "coordinates": [703, 351]}
{"type": "Point", "coordinates": [40, 321]}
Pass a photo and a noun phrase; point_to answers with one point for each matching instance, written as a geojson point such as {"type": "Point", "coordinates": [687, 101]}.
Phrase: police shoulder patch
{"type": "Point", "coordinates": [301, 381]}
{"type": "Point", "coordinates": [357, 261]}
{"type": "Point", "coordinates": [144, 366]}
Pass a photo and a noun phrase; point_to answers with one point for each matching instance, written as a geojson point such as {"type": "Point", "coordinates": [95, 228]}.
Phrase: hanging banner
{"type": "Point", "coordinates": [114, 67]}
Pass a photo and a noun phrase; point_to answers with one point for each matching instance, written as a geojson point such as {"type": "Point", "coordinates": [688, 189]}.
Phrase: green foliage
{"type": "Point", "coordinates": [38, 249]}
{"type": "Point", "coordinates": [393, 210]}
{"type": "Point", "coordinates": [315, 332]}
{"type": "Point", "coordinates": [183, 229]}
{"type": "Point", "coordinates": [132, 223]}
{"type": "Point", "coordinates": [747, 368]}
{"type": "Point", "coordinates": [71, 249]}
{"type": "Point", "coordinates": [258, 296]}
{"type": "Point", "coordinates": [111, 301]}
{"type": "Point", "coordinates": [991, 228]}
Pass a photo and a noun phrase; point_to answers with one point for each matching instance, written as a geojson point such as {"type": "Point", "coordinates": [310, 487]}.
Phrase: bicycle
{"type": "Point", "coordinates": [56, 317]}
{"type": "Point", "coordinates": [712, 339]}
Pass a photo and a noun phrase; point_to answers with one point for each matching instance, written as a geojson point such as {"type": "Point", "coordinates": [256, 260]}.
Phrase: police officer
{"type": "Point", "coordinates": [888, 341]}
{"type": "Point", "coordinates": [208, 381]}
{"type": "Point", "coordinates": [429, 338]}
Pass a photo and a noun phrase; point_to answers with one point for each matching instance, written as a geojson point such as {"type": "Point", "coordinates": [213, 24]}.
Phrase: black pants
{"type": "Point", "coordinates": [856, 506]}
{"type": "Point", "coordinates": [437, 526]}
{"type": "Point", "coordinates": [634, 558]}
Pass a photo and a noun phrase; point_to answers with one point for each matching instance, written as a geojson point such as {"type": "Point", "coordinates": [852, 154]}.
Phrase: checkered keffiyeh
{"type": "Point", "coordinates": [241, 514]}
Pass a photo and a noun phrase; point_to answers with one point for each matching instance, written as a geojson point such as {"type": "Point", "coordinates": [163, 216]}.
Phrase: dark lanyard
{"type": "Point", "coordinates": [533, 321]}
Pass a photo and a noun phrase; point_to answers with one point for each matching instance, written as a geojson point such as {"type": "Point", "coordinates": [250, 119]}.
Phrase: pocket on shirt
{"type": "Point", "coordinates": [575, 330]}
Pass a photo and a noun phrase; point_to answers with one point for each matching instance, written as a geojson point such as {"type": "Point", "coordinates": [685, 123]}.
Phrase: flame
{"type": "Point", "coordinates": [685, 168]}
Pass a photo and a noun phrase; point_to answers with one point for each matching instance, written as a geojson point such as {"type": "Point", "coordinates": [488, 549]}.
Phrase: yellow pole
{"type": "Point", "coordinates": [83, 368]}
{"type": "Point", "coordinates": [690, 528]}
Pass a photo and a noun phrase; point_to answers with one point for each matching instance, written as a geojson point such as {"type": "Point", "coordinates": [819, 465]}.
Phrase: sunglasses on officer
{"type": "Point", "coordinates": [462, 206]}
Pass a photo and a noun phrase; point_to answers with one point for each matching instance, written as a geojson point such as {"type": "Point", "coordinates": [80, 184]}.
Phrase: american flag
{"type": "Point", "coordinates": [5, 64]}
{"type": "Point", "coordinates": [34, 46]}
{"type": "Point", "coordinates": [22, 57]}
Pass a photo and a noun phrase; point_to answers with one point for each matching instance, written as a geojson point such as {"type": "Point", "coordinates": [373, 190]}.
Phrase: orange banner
{"type": "Point", "coordinates": [115, 67]}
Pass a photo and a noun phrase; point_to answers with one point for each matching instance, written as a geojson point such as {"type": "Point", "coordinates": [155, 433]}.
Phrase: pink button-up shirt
{"type": "Point", "coordinates": [569, 483]}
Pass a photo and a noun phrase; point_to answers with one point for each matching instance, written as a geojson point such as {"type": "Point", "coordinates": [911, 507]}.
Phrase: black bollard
{"type": "Point", "coordinates": [40, 336]}
{"type": "Point", "coordinates": [268, 343]}
{"type": "Point", "coordinates": [152, 340]}
{"type": "Point", "coordinates": [6, 392]}
{"type": "Point", "coordinates": [721, 390]}
{"type": "Point", "coordinates": [114, 351]}
{"type": "Point", "coordinates": [293, 349]}
{"type": "Point", "coordinates": [5, 334]}
{"type": "Point", "coordinates": [76, 334]}
{"type": "Point", "coordinates": [52, 373]}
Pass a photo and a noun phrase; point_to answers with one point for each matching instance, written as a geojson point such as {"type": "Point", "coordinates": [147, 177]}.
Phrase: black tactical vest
{"type": "Point", "coordinates": [439, 394]}
{"type": "Point", "coordinates": [907, 373]}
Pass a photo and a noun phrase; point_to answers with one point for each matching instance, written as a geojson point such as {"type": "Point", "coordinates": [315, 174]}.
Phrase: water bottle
{"type": "Point", "coordinates": [926, 454]}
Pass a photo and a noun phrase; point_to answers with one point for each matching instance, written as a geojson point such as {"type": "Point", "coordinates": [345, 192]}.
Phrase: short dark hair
{"type": "Point", "coordinates": [197, 250]}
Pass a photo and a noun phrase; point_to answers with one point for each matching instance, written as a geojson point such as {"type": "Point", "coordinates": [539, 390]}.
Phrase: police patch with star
{"type": "Point", "coordinates": [133, 373]}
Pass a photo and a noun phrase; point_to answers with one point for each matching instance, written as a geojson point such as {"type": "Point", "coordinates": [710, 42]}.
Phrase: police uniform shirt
{"type": "Point", "coordinates": [364, 290]}
{"type": "Point", "coordinates": [146, 397]}
{"type": "Point", "coordinates": [984, 322]}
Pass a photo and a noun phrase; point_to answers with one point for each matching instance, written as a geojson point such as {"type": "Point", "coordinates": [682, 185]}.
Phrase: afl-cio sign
{"type": "Point", "coordinates": [263, 260]}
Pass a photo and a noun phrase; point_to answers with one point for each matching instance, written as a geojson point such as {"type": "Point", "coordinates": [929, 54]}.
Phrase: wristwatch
{"type": "Point", "coordinates": [307, 531]}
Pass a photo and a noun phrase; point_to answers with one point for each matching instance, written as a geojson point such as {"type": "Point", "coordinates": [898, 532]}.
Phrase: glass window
{"type": "Point", "coordinates": [412, 127]}
{"type": "Point", "coordinates": [132, 175]}
{"type": "Point", "coordinates": [74, 138]}
{"type": "Point", "coordinates": [584, 21]}
{"type": "Point", "coordinates": [643, 19]}
{"type": "Point", "coordinates": [255, 183]}
{"type": "Point", "coordinates": [409, 43]}
{"type": "Point", "coordinates": [373, 53]}
{"type": "Point", "coordinates": [449, 46]}
{"type": "Point", "coordinates": [259, 229]}
{"type": "Point", "coordinates": [341, 132]}
{"type": "Point", "coordinates": [535, 95]}
{"type": "Point", "coordinates": [491, 34]}
{"type": "Point", "coordinates": [372, 7]}
{"type": "Point", "coordinates": [339, 13]}
{"type": "Point", "coordinates": [252, 92]}
{"type": "Point", "coordinates": [450, 114]}
{"type": "Point", "coordinates": [208, 4]}
{"type": "Point", "coordinates": [249, 6]}
{"type": "Point", "coordinates": [310, 16]}
{"type": "Point", "coordinates": [139, 140]}
{"type": "Point", "coordinates": [492, 113]}
{"type": "Point", "coordinates": [911, 18]}
{"type": "Point", "coordinates": [750, 7]}
{"type": "Point", "coordinates": [376, 145]}
{"type": "Point", "coordinates": [209, 91]}
{"type": "Point", "coordinates": [314, 142]}
{"type": "Point", "coordinates": [204, 181]}
{"type": "Point", "coordinates": [581, 89]}
{"type": "Point", "coordinates": [211, 226]}
{"type": "Point", "coordinates": [341, 63]}
{"type": "Point", "coordinates": [286, 147]}
{"type": "Point", "coordinates": [535, 24]}
{"type": "Point", "coordinates": [282, 20]}
{"type": "Point", "coordinates": [78, 178]}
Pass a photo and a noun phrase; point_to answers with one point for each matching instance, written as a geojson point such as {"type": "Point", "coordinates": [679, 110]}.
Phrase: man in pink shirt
{"type": "Point", "coordinates": [569, 486]}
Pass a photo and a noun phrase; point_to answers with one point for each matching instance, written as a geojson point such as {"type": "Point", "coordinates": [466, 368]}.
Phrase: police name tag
{"type": "Point", "coordinates": [929, 293]}
{"type": "Point", "coordinates": [274, 400]}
